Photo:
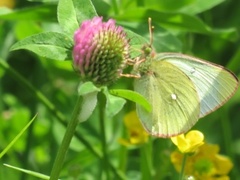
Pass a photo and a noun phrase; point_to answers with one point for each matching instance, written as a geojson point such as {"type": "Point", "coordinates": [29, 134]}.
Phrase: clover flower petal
{"type": "Point", "coordinates": [100, 51]}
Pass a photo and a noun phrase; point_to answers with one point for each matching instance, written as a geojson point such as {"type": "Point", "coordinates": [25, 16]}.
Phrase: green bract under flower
{"type": "Point", "coordinates": [101, 51]}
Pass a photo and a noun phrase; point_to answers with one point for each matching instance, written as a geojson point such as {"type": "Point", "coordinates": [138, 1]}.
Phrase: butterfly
{"type": "Point", "coordinates": [181, 89]}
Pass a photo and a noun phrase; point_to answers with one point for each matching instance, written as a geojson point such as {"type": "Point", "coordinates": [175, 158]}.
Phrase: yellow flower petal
{"type": "Point", "coordinates": [176, 159]}
{"type": "Point", "coordinates": [190, 142]}
{"type": "Point", "coordinates": [124, 142]}
{"type": "Point", "coordinates": [7, 3]}
{"type": "Point", "coordinates": [223, 163]}
{"type": "Point", "coordinates": [205, 163]}
{"type": "Point", "coordinates": [208, 150]}
{"type": "Point", "coordinates": [137, 134]}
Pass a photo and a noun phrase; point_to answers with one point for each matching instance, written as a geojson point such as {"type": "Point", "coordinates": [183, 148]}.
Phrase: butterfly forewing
{"type": "Point", "coordinates": [174, 100]}
{"type": "Point", "coordinates": [214, 84]}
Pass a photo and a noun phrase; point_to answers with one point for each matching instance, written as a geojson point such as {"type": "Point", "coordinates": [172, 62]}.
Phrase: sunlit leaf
{"type": "Point", "coordinates": [89, 94]}
{"type": "Point", "coordinates": [114, 104]}
{"type": "Point", "coordinates": [17, 137]}
{"type": "Point", "coordinates": [173, 20]}
{"type": "Point", "coordinates": [87, 87]}
{"type": "Point", "coordinates": [51, 45]}
{"type": "Point", "coordinates": [35, 174]}
{"type": "Point", "coordinates": [199, 6]}
{"type": "Point", "coordinates": [45, 12]}
{"type": "Point", "coordinates": [72, 12]}
{"type": "Point", "coordinates": [132, 96]}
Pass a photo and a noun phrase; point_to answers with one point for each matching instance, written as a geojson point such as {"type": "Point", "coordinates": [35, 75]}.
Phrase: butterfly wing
{"type": "Point", "coordinates": [174, 100]}
{"type": "Point", "coordinates": [214, 84]}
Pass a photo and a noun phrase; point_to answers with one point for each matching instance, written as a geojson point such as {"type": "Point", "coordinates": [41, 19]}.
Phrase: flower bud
{"type": "Point", "coordinates": [101, 51]}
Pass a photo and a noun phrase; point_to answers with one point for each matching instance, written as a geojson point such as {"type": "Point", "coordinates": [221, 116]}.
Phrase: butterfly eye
{"type": "Point", "coordinates": [147, 49]}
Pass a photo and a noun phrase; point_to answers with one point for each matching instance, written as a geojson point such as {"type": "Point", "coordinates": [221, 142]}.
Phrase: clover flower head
{"type": "Point", "coordinates": [100, 51]}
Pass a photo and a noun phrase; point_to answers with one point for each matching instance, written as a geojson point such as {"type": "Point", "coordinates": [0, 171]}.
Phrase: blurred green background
{"type": "Point", "coordinates": [203, 28]}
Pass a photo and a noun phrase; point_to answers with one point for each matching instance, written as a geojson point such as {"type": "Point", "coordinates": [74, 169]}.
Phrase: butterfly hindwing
{"type": "Point", "coordinates": [214, 84]}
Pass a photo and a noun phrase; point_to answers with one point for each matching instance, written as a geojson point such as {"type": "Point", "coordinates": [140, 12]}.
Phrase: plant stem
{"type": "Point", "coordinates": [226, 132]}
{"type": "Point", "coordinates": [22, 81]}
{"type": "Point", "coordinates": [102, 105]}
{"type": "Point", "coordinates": [181, 177]}
{"type": "Point", "coordinates": [146, 160]}
{"type": "Point", "coordinates": [57, 166]}
{"type": "Point", "coordinates": [51, 107]}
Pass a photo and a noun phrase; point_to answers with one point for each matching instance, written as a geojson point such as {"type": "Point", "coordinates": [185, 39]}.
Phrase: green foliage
{"type": "Point", "coordinates": [71, 13]}
{"type": "Point", "coordinates": [37, 77]}
{"type": "Point", "coordinates": [132, 96]}
{"type": "Point", "coordinates": [50, 45]}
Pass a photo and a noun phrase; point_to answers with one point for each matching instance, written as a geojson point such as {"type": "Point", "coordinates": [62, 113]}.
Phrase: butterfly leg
{"type": "Point", "coordinates": [131, 61]}
{"type": "Point", "coordinates": [130, 75]}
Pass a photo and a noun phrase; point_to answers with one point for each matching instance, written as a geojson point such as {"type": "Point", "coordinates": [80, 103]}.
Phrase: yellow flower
{"type": "Point", "coordinates": [136, 133]}
{"type": "Point", "coordinates": [190, 142]}
{"type": "Point", "coordinates": [205, 164]}
{"type": "Point", "coordinates": [7, 3]}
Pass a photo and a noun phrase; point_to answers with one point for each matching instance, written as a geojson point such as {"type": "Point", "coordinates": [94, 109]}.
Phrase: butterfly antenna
{"type": "Point", "coordinates": [151, 28]}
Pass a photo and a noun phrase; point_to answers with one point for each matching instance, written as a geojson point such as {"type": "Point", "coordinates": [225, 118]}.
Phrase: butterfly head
{"type": "Point", "coordinates": [143, 62]}
{"type": "Point", "coordinates": [147, 49]}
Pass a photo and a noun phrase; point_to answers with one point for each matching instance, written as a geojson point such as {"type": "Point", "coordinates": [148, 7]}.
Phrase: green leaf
{"type": "Point", "coordinates": [163, 40]}
{"type": "Point", "coordinates": [180, 21]}
{"type": "Point", "coordinates": [199, 6]}
{"type": "Point", "coordinates": [45, 12]}
{"type": "Point", "coordinates": [136, 39]}
{"type": "Point", "coordinates": [24, 29]}
{"type": "Point", "coordinates": [36, 174]}
{"type": "Point", "coordinates": [67, 17]}
{"type": "Point", "coordinates": [233, 64]}
{"type": "Point", "coordinates": [87, 87]}
{"type": "Point", "coordinates": [230, 34]}
{"type": "Point", "coordinates": [167, 6]}
{"type": "Point", "coordinates": [184, 6]}
{"type": "Point", "coordinates": [102, 7]}
{"type": "Point", "coordinates": [89, 103]}
{"type": "Point", "coordinates": [136, 42]}
{"type": "Point", "coordinates": [72, 12]}
{"type": "Point", "coordinates": [132, 96]}
{"type": "Point", "coordinates": [17, 137]}
{"type": "Point", "coordinates": [84, 10]}
{"type": "Point", "coordinates": [51, 45]}
{"type": "Point", "coordinates": [114, 103]}
{"type": "Point", "coordinates": [173, 20]}
{"type": "Point", "coordinates": [89, 92]}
